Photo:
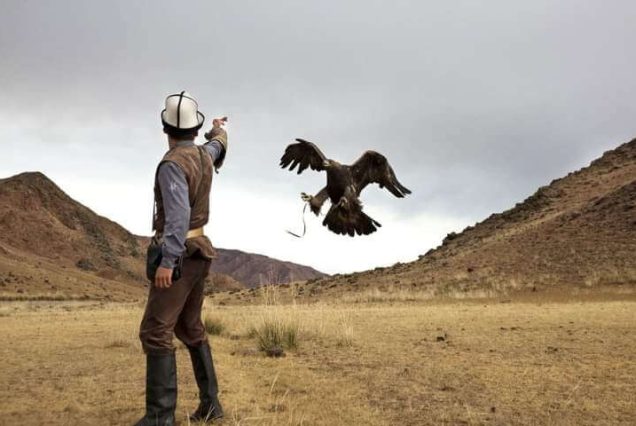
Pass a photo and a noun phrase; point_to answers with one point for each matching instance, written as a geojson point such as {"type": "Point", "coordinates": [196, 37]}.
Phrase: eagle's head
{"type": "Point", "coordinates": [327, 164]}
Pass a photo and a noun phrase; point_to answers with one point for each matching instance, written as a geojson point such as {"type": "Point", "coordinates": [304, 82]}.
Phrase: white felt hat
{"type": "Point", "coordinates": [182, 113]}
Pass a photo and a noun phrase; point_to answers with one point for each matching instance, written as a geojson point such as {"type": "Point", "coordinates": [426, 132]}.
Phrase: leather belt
{"type": "Point", "coordinates": [193, 233]}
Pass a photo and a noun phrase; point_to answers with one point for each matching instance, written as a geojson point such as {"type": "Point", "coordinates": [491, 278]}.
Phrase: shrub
{"type": "Point", "coordinates": [276, 333]}
{"type": "Point", "coordinates": [85, 264]}
{"type": "Point", "coordinates": [213, 326]}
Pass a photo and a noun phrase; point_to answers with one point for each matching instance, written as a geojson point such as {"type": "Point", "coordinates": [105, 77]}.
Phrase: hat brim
{"type": "Point", "coordinates": [200, 119]}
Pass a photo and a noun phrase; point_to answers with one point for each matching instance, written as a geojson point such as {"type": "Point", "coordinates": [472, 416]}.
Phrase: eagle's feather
{"type": "Point", "coordinates": [304, 154]}
{"type": "Point", "coordinates": [350, 221]}
{"type": "Point", "coordinates": [373, 167]}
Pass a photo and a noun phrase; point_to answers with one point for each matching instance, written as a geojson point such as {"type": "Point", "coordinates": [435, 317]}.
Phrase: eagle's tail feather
{"type": "Point", "coordinates": [345, 222]}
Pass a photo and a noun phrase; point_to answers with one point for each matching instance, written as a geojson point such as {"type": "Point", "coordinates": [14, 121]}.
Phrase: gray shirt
{"type": "Point", "coordinates": [176, 204]}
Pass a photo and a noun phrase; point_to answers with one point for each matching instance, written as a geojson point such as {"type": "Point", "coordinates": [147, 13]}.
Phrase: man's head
{"type": "Point", "coordinates": [181, 117]}
{"type": "Point", "coordinates": [180, 136]}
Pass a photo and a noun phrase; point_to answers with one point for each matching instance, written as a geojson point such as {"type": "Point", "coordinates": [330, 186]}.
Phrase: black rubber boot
{"type": "Point", "coordinates": [209, 408]}
{"type": "Point", "coordinates": [161, 390]}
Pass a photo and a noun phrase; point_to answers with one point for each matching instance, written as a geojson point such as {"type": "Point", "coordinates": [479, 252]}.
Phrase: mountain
{"type": "Point", "coordinates": [577, 233]}
{"type": "Point", "coordinates": [52, 247]}
{"type": "Point", "coordinates": [255, 269]}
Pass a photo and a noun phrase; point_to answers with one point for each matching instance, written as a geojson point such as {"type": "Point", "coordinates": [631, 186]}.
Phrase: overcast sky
{"type": "Point", "coordinates": [475, 104]}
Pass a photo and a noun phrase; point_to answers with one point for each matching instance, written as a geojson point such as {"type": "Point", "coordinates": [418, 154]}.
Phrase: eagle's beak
{"type": "Point", "coordinates": [326, 164]}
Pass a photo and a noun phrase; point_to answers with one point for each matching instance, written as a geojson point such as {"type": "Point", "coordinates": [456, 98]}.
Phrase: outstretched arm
{"type": "Point", "coordinates": [217, 141]}
{"type": "Point", "coordinates": [215, 149]}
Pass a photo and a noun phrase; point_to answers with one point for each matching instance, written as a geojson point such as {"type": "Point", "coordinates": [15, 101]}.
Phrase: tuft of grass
{"type": "Point", "coordinates": [275, 333]}
{"type": "Point", "coordinates": [269, 294]}
{"type": "Point", "coordinates": [119, 343]}
{"type": "Point", "coordinates": [213, 325]}
{"type": "Point", "coordinates": [344, 332]}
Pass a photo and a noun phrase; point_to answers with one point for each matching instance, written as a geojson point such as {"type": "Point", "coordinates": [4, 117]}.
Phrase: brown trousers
{"type": "Point", "coordinates": [176, 310]}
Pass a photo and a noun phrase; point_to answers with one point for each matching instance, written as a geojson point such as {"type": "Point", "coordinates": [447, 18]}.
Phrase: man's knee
{"type": "Point", "coordinates": [192, 334]}
{"type": "Point", "coordinates": [155, 339]}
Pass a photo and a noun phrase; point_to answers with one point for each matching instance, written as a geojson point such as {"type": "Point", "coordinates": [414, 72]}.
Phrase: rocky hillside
{"type": "Point", "coordinates": [52, 247]}
{"type": "Point", "coordinates": [255, 269]}
{"type": "Point", "coordinates": [577, 233]}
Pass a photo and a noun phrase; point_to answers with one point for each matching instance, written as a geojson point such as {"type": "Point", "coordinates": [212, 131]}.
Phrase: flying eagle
{"type": "Point", "coordinates": [344, 184]}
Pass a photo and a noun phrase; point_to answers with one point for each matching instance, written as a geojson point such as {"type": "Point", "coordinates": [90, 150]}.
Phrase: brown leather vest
{"type": "Point", "coordinates": [197, 166]}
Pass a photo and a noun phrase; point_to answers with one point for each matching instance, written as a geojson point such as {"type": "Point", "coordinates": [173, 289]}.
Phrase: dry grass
{"type": "Point", "coordinates": [375, 295]}
{"type": "Point", "coordinates": [276, 333]}
{"type": "Point", "coordinates": [411, 363]}
{"type": "Point", "coordinates": [213, 325]}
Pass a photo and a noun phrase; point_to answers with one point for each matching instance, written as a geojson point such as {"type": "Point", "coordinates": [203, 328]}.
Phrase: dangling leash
{"type": "Point", "coordinates": [304, 224]}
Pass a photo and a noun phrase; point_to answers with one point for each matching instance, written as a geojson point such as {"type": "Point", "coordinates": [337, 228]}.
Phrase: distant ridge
{"type": "Point", "coordinates": [255, 269]}
{"type": "Point", "coordinates": [53, 247]}
{"type": "Point", "coordinates": [577, 233]}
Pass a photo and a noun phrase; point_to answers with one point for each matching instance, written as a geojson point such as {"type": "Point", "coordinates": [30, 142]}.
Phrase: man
{"type": "Point", "coordinates": [182, 192]}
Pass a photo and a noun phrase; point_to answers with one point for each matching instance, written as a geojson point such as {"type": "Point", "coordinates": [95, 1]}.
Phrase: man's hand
{"type": "Point", "coordinates": [163, 277]}
{"type": "Point", "coordinates": [217, 123]}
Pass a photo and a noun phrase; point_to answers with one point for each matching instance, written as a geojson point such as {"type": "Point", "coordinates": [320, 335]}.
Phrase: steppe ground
{"type": "Point", "coordinates": [381, 363]}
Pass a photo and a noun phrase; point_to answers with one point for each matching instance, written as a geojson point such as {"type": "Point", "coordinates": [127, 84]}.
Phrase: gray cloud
{"type": "Point", "coordinates": [474, 103]}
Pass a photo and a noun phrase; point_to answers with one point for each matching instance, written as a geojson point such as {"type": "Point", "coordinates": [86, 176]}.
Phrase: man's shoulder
{"type": "Point", "coordinates": [186, 160]}
{"type": "Point", "coordinates": [169, 168]}
{"type": "Point", "coordinates": [181, 152]}
{"type": "Point", "coordinates": [183, 156]}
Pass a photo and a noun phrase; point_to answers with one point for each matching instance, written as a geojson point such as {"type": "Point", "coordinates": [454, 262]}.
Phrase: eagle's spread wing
{"type": "Point", "coordinates": [373, 167]}
{"type": "Point", "coordinates": [304, 154]}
